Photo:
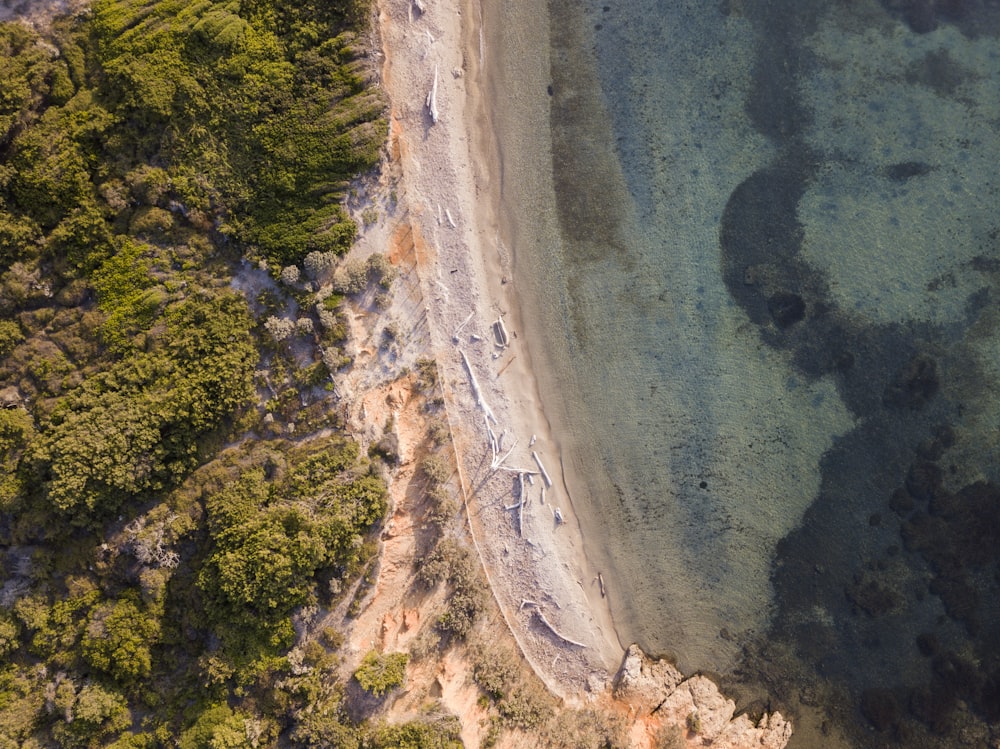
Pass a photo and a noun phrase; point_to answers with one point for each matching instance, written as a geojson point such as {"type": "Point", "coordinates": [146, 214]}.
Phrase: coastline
{"type": "Point", "coordinates": [451, 196]}
{"type": "Point", "coordinates": [454, 195]}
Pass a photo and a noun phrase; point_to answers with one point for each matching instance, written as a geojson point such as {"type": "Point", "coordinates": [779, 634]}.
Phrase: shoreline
{"type": "Point", "coordinates": [547, 587]}
{"type": "Point", "coordinates": [451, 198]}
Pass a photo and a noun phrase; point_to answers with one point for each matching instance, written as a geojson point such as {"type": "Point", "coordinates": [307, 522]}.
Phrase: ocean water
{"type": "Point", "coordinates": [758, 244]}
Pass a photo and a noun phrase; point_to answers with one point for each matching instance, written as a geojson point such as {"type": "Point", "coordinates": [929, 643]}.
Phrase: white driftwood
{"type": "Point", "coordinates": [545, 474]}
{"type": "Point", "coordinates": [513, 469]}
{"type": "Point", "coordinates": [557, 514]}
{"type": "Point", "coordinates": [458, 330]}
{"type": "Point", "coordinates": [543, 495]}
{"type": "Point", "coordinates": [500, 333]}
{"type": "Point", "coordinates": [553, 630]}
{"type": "Point", "coordinates": [520, 509]}
{"type": "Point", "coordinates": [432, 106]}
{"type": "Point", "coordinates": [531, 442]}
{"type": "Point", "coordinates": [600, 583]}
{"type": "Point", "coordinates": [498, 461]}
{"type": "Point", "coordinates": [418, 5]}
{"type": "Point", "coordinates": [526, 602]}
{"type": "Point", "coordinates": [476, 392]}
{"type": "Point", "coordinates": [448, 214]}
{"type": "Point", "coordinates": [491, 437]}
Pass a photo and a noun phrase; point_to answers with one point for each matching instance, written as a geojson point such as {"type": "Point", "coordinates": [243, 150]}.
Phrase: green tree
{"type": "Point", "coordinates": [378, 673]}
{"type": "Point", "coordinates": [95, 715]}
{"type": "Point", "coordinates": [217, 727]}
{"type": "Point", "coordinates": [117, 640]}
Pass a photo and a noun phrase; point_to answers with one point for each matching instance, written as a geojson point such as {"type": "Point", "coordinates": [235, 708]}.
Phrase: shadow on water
{"type": "Point", "coordinates": [886, 625]}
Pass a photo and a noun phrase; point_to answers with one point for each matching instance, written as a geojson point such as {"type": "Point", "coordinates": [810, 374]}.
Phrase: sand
{"type": "Point", "coordinates": [450, 190]}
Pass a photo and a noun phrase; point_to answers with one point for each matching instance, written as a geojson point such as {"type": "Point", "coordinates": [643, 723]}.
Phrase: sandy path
{"type": "Point", "coordinates": [449, 190]}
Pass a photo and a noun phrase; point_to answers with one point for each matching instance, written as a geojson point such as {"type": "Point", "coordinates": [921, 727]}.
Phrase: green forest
{"type": "Point", "coordinates": [160, 538]}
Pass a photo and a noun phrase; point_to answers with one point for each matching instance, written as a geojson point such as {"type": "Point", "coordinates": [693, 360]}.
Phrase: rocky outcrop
{"type": "Point", "coordinates": [645, 683]}
{"type": "Point", "coordinates": [655, 686]}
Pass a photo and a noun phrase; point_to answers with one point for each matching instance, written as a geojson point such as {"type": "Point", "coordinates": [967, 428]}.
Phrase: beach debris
{"type": "Point", "coordinates": [477, 393]}
{"type": "Point", "coordinates": [475, 338]}
{"type": "Point", "coordinates": [500, 333]}
{"type": "Point", "coordinates": [531, 478]}
{"type": "Point", "coordinates": [432, 97]}
{"type": "Point", "coordinates": [543, 496]}
{"type": "Point", "coordinates": [525, 471]}
{"type": "Point", "coordinates": [553, 630]}
{"type": "Point", "coordinates": [419, 6]}
{"type": "Point", "coordinates": [448, 213]}
{"type": "Point", "coordinates": [526, 602]}
{"type": "Point", "coordinates": [522, 500]}
{"type": "Point", "coordinates": [531, 442]}
{"type": "Point", "coordinates": [454, 336]}
{"type": "Point", "coordinates": [600, 584]}
{"type": "Point", "coordinates": [520, 510]}
{"type": "Point", "coordinates": [557, 514]}
{"type": "Point", "coordinates": [545, 474]}
{"type": "Point", "coordinates": [498, 460]}
{"type": "Point", "coordinates": [440, 220]}
{"type": "Point", "coordinates": [504, 367]}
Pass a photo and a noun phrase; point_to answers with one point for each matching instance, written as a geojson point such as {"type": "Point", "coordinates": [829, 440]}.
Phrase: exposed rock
{"type": "Point", "coordinates": [643, 682]}
{"type": "Point", "coordinates": [10, 397]}
{"type": "Point", "coordinates": [650, 685]}
{"type": "Point", "coordinates": [411, 619]}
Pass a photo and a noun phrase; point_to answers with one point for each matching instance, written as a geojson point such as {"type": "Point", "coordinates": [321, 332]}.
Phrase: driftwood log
{"type": "Point", "coordinates": [553, 630]}
{"type": "Point", "coordinates": [432, 106]}
{"type": "Point", "coordinates": [545, 474]}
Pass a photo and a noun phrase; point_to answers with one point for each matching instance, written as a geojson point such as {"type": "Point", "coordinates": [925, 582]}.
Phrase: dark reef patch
{"type": "Point", "coordinates": [903, 562]}
{"type": "Point", "coordinates": [906, 170]}
{"type": "Point", "coordinates": [973, 18]}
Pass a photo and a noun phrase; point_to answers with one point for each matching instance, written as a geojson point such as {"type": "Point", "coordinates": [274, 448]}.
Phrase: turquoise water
{"type": "Point", "coordinates": [761, 242]}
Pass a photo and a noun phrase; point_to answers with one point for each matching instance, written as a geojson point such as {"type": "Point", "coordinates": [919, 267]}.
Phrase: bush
{"type": "Point", "coordinates": [467, 601]}
{"type": "Point", "coordinates": [380, 270]}
{"type": "Point", "coordinates": [443, 507]}
{"type": "Point", "coordinates": [444, 733]}
{"type": "Point", "coordinates": [427, 374]}
{"type": "Point", "coordinates": [351, 278]}
{"type": "Point", "coordinates": [522, 703]}
{"type": "Point", "coordinates": [379, 674]}
{"type": "Point", "coordinates": [439, 432]}
{"type": "Point", "coordinates": [386, 448]}
{"type": "Point", "coordinates": [10, 336]}
{"type": "Point", "coordinates": [319, 264]}
{"type": "Point", "coordinates": [279, 328]}
{"type": "Point", "coordinates": [435, 469]}
{"type": "Point", "coordinates": [590, 729]}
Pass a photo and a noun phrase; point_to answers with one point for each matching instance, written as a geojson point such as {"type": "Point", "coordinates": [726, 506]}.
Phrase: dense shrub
{"type": "Point", "coordinates": [380, 673]}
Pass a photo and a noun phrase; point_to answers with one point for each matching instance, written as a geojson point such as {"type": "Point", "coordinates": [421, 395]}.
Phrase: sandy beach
{"type": "Point", "coordinates": [534, 556]}
{"type": "Point", "coordinates": [456, 211]}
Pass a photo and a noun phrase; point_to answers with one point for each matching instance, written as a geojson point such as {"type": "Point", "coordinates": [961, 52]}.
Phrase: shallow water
{"type": "Point", "coordinates": [762, 245]}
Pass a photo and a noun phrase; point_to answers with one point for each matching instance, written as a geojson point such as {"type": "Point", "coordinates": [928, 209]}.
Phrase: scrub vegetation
{"type": "Point", "coordinates": [178, 502]}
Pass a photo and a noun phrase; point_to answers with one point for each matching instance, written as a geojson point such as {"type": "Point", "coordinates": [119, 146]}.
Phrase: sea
{"type": "Point", "coordinates": [757, 246]}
